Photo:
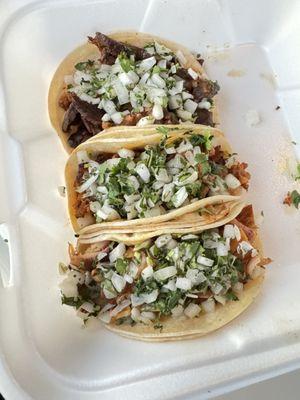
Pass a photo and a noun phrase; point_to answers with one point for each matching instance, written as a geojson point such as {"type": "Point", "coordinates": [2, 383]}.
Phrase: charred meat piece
{"type": "Point", "coordinates": [169, 118]}
{"type": "Point", "coordinates": [204, 88]}
{"type": "Point", "coordinates": [204, 117]}
{"type": "Point", "coordinates": [90, 114]}
{"type": "Point", "coordinates": [82, 206]}
{"type": "Point", "coordinates": [239, 171]}
{"type": "Point", "coordinates": [65, 100]}
{"type": "Point", "coordinates": [79, 136]}
{"type": "Point", "coordinates": [110, 49]}
{"type": "Point", "coordinates": [71, 117]}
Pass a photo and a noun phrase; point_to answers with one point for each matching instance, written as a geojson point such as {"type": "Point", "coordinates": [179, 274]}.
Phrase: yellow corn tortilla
{"type": "Point", "coordinates": [90, 51]}
{"type": "Point", "coordinates": [142, 233]}
{"type": "Point", "coordinates": [183, 327]}
{"type": "Point", "coordinates": [137, 138]}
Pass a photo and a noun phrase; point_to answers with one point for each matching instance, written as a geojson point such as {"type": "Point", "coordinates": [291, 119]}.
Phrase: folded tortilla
{"type": "Point", "coordinates": [135, 138]}
{"type": "Point", "coordinates": [182, 327]}
{"type": "Point", "coordinates": [89, 51]}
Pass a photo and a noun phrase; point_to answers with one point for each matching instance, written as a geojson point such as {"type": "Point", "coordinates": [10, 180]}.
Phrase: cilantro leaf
{"type": "Point", "coordinates": [231, 296]}
{"type": "Point", "coordinates": [81, 66]}
{"type": "Point", "coordinates": [202, 159]}
{"type": "Point", "coordinates": [295, 197]}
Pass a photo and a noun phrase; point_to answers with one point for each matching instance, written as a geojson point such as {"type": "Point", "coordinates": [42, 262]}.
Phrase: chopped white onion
{"type": "Point", "coordinates": [192, 73]}
{"type": "Point", "coordinates": [124, 153]}
{"type": "Point", "coordinates": [68, 79]}
{"type": "Point", "coordinates": [205, 261]}
{"type": "Point", "coordinates": [158, 81]}
{"type": "Point", "coordinates": [146, 64]}
{"type": "Point", "coordinates": [190, 105]}
{"type": "Point", "coordinates": [120, 307]}
{"type": "Point", "coordinates": [192, 310]}
{"type": "Point", "coordinates": [106, 117]}
{"type": "Point", "coordinates": [82, 188]}
{"type": "Point", "coordinates": [179, 197]}
{"type": "Point", "coordinates": [167, 192]}
{"type": "Point", "coordinates": [148, 315]}
{"type": "Point", "coordinates": [222, 249]}
{"type": "Point", "coordinates": [181, 57]}
{"type": "Point", "coordinates": [220, 299]}
{"type": "Point", "coordinates": [149, 120]}
{"type": "Point", "coordinates": [118, 281]}
{"type": "Point", "coordinates": [157, 111]}
{"type": "Point", "coordinates": [178, 88]}
{"type": "Point", "coordinates": [117, 252]}
{"type": "Point", "coordinates": [177, 311]}
{"type": "Point", "coordinates": [121, 92]}
{"type": "Point", "coordinates": [163, 176]}
{"type": "Point", "coordinates": [82, 157]}
{"type": "Point", "coordinates": [238, 287]}
{"type": "Point", "coordinates": [105, 317]}
{"type": "Point", "coordinates": [183, 283]}
{"type": "Point", "coordinates": [109, 106]}
{"type": "Point", "coordinates": [135, 314]}
{"type": "Point", "coordinates": [117, 118]}
{"type": "Point", "coordinates": [175, 102]}
{"type": "Point", "coordinates": [147, 272]}
{"type": "Point", "coordinates": [135, 183]}
{"type": "Point", "coordinates": [232, 182]}
{"type": "Point", "coordinates": [195, 276]}
{"type": "Point", "coordinates": [184, 115]}
{"type": "Point", "coordinates": [186, 95]}
{"type": "Point", "coordinates": [204, 104]}
{"type": "Point", "coordinates": [229, 232]}
{"type": "Point", "coordinates": [208, 305]}
{"type": "Point", "coordinates": [150, 297]}
{"type": "Point", "coordinates": [170, 285]}
{"type": "Point", "coordinates": [133, 269]}
{"type": "Point", "coordinates": [162, 240]}
{"type": "Point", "coordinates": [165, 273]}
{"type": "Point", "coordinates": [143, 171]}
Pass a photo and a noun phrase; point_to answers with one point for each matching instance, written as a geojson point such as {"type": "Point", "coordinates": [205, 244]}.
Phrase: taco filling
{"type": "Point", "coordinates": [153, 181]}
{"type": "Point", "coordinates": [129, 85]}
{"type": "Point", "coordinates": [165, 276]}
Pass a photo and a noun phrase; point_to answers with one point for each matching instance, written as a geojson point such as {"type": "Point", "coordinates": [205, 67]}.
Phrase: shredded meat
{"type": "Point", "coordinates": [65, 99]}
{"type": "Point", "coordinates": [204, 88]}
{"type": "Point", "coordinates": [239, 171]}
{"type": "Point", "coordinates": [110, 49]}
{"type": "Point", "coordinates": [79, 175]}
{"type": "Point", "coordinates": [87, 257]}
{"type": "Point", "coordinates": [204, 117]}
{"type": "Point", "coordinates": [82, 206]}
{"type": "Point", "coordinates": [90, 114]}
{"type": "Point", "coordinates": [216, 155]}
{"type": "Point", "coordinates": [288, 199]}
{"type": "Point", "coordinates": [71, 117]}
{"type": "Point", "coordinates": [79, 135]}
{"type": "Point", "coordinates": [246, 217]}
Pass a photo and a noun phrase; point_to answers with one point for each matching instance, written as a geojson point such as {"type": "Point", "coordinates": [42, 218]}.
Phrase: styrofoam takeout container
{"type": "Point", "coordinates": [252, 49]}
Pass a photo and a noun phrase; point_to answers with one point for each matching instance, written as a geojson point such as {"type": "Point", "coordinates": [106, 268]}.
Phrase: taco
{"type": "Point", "coordinates": [128, 78]}
{"type": "Point", "coordinates": [138, 176]}
{"type": "Point", "coordinates": [168, 287]}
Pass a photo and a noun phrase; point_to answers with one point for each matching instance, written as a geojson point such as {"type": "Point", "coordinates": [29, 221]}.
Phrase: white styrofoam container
{"type": "Point", "coordinates": [44, 352]}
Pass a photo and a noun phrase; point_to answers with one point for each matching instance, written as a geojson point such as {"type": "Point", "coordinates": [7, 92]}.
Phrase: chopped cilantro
{"type": "Point", "coordinates": [81, 66]}
{"type": "Point", "coordinates": [121, 266]}
{"type": "Point", "coordinates": [126, 63]}
{"type": "Point", "coordinates": [298, 172]}
{"type": "Point", "coordinates": [295, 197]}
{"type": "Point", "coordinates": [72, 301]}
{"type": "Point", "coordinates": [231, 296]}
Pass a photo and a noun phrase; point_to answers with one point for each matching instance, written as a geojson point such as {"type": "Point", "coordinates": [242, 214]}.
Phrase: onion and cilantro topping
{"type": "Point", "coordinates": [170, 275]}
{"type": "Point", "coordinates": [149, 86]}
{"type": "Point", "coordinates": [160, 178]}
